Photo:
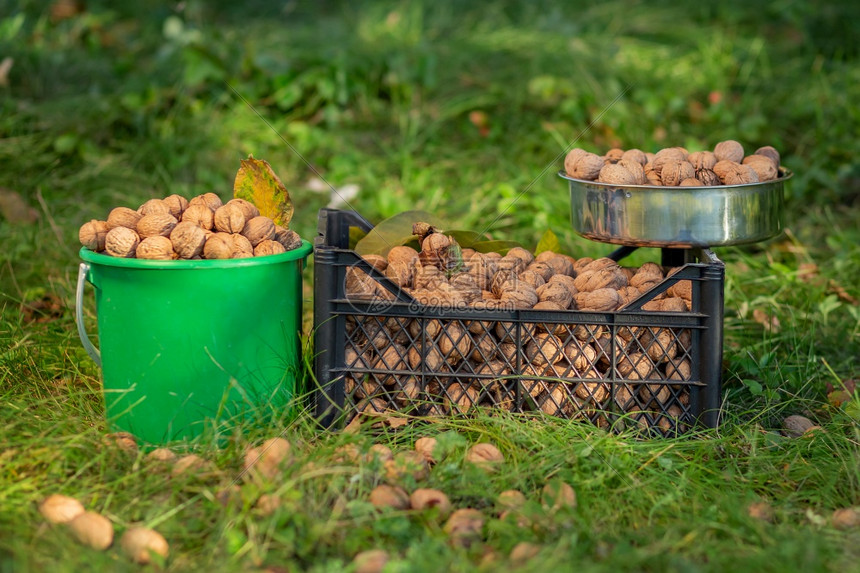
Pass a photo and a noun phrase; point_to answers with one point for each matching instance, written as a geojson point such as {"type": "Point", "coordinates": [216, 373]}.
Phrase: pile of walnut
{"type": "Point", "coordinates": [675, 166]}
{"type": "Point", "coordinates": [175, 228]}
{"type": "Point", "coordinates": [478, 362]}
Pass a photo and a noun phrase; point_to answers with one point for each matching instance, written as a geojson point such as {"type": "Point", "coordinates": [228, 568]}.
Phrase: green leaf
{"type": "Point", "coordinates": [355, 235]}
{"type": "Point", "coordinates": [549, 242]}
{"type": "Point", "coordinates": [501, 247]}
{"type": "Point", "coordinates": [394, 231]}
{"type": "Point", "coordinates": [465, 238]}
{"type": "Point", "coordinates": [257, 183]}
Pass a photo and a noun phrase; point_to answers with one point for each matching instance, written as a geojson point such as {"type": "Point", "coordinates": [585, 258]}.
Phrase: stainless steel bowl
{"type": "Point", "coordinates": [677, 217]}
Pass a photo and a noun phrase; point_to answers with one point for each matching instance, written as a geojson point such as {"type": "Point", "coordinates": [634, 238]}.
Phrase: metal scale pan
{"type": "Point", "coordinates": [677, 217]}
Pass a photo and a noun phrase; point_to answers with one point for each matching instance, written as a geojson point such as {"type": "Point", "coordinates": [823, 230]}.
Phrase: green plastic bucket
{"type": "Point", "coordinates": [191, 346]}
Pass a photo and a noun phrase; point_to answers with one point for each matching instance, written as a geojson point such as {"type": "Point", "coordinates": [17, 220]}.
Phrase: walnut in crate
{"type": "Point", "coordinates": [522, 296]}
{"type": "Point", "coordinates": [532, 278]}
{"type": "Point", "coordinates": [93, 234]}
{"type": "Point", "coordinates": [636, 366]}
{"type": "Point", "coordinates": [188, 240]}
{"type": "Point", "coordinates": [454, 342]}
{"type": "Point", "coordinates": [466, 287]}
{"type": "Point", "coordinates": [483, 347]}
{"type": "Point", "coordinates": [558, 400]}
{"type": "Point", "coordinates": [392, 358]}
{"type": "Point", "coordinates": [427, 277]}
{"type": "Point", "coordinates": [407, 392]}
{"type": "Point", "coordinates": [680, 370]}
{"type": "Point", "coordinates": [155, 248]}
{"type": "Point", "coordinates": [361, 387]}
{"type": "Point", "coordinates": [556, 293]}
{"type": "Point", "coordinates": [121, 242]}
{"type": "Point", "coordinates": [460, 397]}
{"type": "Point", "coordinates": [654, 395]}
{"type": "Point", "coordinates": [610, 276]}
{"type": "Point", "coordinates": [426, 357]}
{"type": "Point", "coordinates": [561, 265]}
{"type": "Point", "coordinates": [544, 348]}
{"type": "Point", "coordinates": [600, 300]}
{"type": "Point", "coordinates": [581, 355]}
{"type": "Point", "coordinates": [402, 263]}
{"type": "Point", "coordinates": [658, 344]}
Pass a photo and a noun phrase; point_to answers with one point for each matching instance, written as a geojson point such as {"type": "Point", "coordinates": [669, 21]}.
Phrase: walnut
{"type": "Point", "coordinates": [557, 293]}
{"type": "Point", "coordinates": [594, 392]}
{"type": "Point", "coordinates": [200, 215]}
{"type": "Point", "coordinates": [764, 167]}
{"type": "Point", "coordinates": [465, 284]}
{"type": "Point", "coordinates": [524, 254]}
{"type": "Point", "coordinates": [609, 277]}
{"type": "Point", "coordinates": [651, 176]}
{"type": "Point", "coordinates": [544, 349]}
{"type": "Point", "coordinates": [566, 280]}
{"type": "Point", "coordinates": [218, 246]}
{"type": "Point", "coordinates": [545, 270]}
{"type": "Point", "coordinates": [258, 229]}
{"type": "Point", "coordinates": [484, 348]}
{"type": "Point", "coordinates": [484, 455]}
{"type": "Point", "coordinates": [139, 543]}
{"type": "Point", "coordinates": [581, 356]}
{"type": "Point", "coordinates": [58, 508]}
{"type": "Point", "coordinates": [675, 171]}
{"type": "Point", "coordinates": [770, 153]}
{"type": "Point", "coordinates": [290, 239]}
{"type": "Point", "coordinates": [708, 178]}
{"type": "Point", "coordinates": [603, 299]}
{"type": "Point", "coordinates": [702, 160]}
{"type": "Point", "coordinates": [156, 224]}
{"type": "Point", "coordinates": [524, 296]}
{"type": "Point", "coordinates": [636, 169]}
{"type": "Point", "coordinates": [264, 248]}
{"type": "Point", "coordinates": [93, 530]}
{"type": "Point", "coordinates": [581, 264]}
{"type": "Point", "coordinates": [482, 268]}
{"type": "Point", "coordinates": [176, 204]}
{"type": "Point", "coordinates": [659, 345]}
{"type": "Point", "coordinates": [154, 206]}
{"type": "Point", "coordinates": [267, 460]}
{"type": "Point", "coordinates": [664, 155]}
{"type": "Point", "coordinates": [229, 218]}
{"type": "Point", "coordinates": [571, 158]}
{"type": "Point", "coordinates": [557, 495]}
{"type": "Point", "coordinates": [407, 464]}
{"type": "Point", "coordinates": [460, 397]}
{"type": "Point", "coordinates": [241, 246]}
{"type": "Point", "coordinates": [616, 174]}
{"type": "Point", "coordinates": [636, 155]}
{"type": "Point", "coordinates": [738, 175]}
{"type": "Point", "coordinates": [690, 182]}
{"type": "Point", "coordinates": [635, 366]}
{"type": "Point", "coordinates": [587, 166]}
{"type": "Point", "coordinates": [121, 242]}
{"type": "Point", "coordinates": [454, 343]}
{"type": "Point", "coordinates": [614, 155]}
{"type": "Point", "coordinates": [557, 400]}
{"type": "Point", "coordinates": [431, 360]}
{"type": "Point", "coordinates": [679, 370]}
{"type": "Point", "coordinates": [156, 248]}
{"type": "Point", "coordinates": [532, 278]}
{"type": "Point", "coordinates": [92, 235]}
{"type": "Point", "coordinates": [427, 277]}
{"type": "Point", "coordinates": [249, 210]}
{"type": "Point", "coordinates": [681, 289]}
{"type": "Point", "coordinates": [729, 150]}
{"type": "Point", "coordinates": [654, 392]}
{"type": "Point", "coordinates": [464, 527]}
{"type": "Point", "coordinates": [209, 200]}
{"type": "Point", "coordinates": [423, 499]}
{"type": "Point", "coordinates": [598, 264]}
{"type": "Point", "coordinates": [123, 217]}
{"type": "Point", "coordinates": [561, 265]}
{"type": "Point", "coordinates": [389, 496]}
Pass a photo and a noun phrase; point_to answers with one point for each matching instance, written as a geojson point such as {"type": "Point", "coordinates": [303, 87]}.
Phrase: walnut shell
{"type": "Point", "coordinates": [423, 499]}
{"type": "Point", "coordinates": [155, 248]}
{"type": "Point", "coordinates": [636, 155]}
{"type": "Point", "coordinates": [769, 152]}
{"type": "Point", "coordinates": [485, 455]}
{"type": "Point", "coordinates": [389, 496]}
{"type": "Point", "coordinates": [290, 239]}
{"type": "Point", "coordinates": [242, 247]}
{"type": "Point", "coordinates": [690, 182]}
{"type": "Point", "coordinates": [664, 155]}
{"type": "Point", "coordinates": [729, 150]}
{"type": "Point", "coordinates": [560, 265]}
{"type": "Point", "coordinates": [200, 215]}
{"type": "Point", "coordinates": [702, 160]}
{"type": "Point", "coordinates": [218, 246]}
{"type": "Point", "coordinates": [616, 174]}
{"type": "Point", "coordinates": [674, 171]}
{"type": "Point", "coordinates": [139, 543]}
{"type": "Point", "coordinates": [571, 158]}
{"type": "Point", "coordinates": [603, 299]}
{"type": "Point", "coordinates": [93, 530]}
{"type": "Point", "coordinates": [258, 229]}
{"type": "Point", "coordinates": [532, 278]}
{"type": "Point", "coordinates": [466, 286]}
{"type": "Point", "coordinates": [636, 169]}
{"type": "Point", "coordinates": [587, 166]}
{"type": "Point", "coordinates": [154, 206]}
{"type": "Point", "coordinates": [708, 178]}
{"type": "Point", "coordinates": [556, 293]}
{"type": "Point", "coordinates": [123, 217]}
{"type": "Point", "coordinates": [565, 280]}
{"type": "Point", "coordinates": [156, 224]}
{"type": "Point", "coordinates": [209, 200]}
{"type": "Point", "coordinates": [523, 296]}
{"type": "Point", "coordinates": [614, 155]}
{"type": "Point", "coordinates": [176, 204]}
{"type": "Point", "coordinates": [610, 277]}
{"type": "Point", "coordinates": [524, 254]}
{"type": "Point", "coordinates": [545, 270]}
{"type": "Point", "coordinates": [121, 242]}
{"type": "Point", "coordinates": [740, 175]}
{"type": "Point", "coordinates": [460, 397]}
{"type": "Point", "coordinates": [229, 218]}
{"type": "Point", "coordinates": [764, 167]}
{"type": "Point", "coordinates": [188, 240]}
{"type": "Point", "coordinates": [58, 508]}
{"type": "Point", "coordinates": [651, 176]}
{"type": "Point", "coordinates": [92, 235]}
{"type": "Point", "coordinates": [544, 349]}
{"type": "Point", "coordinates": [265, 248]}
{"type": "Point", "coordinates": [248, 209]}
{"type": "Point", "coordinates": [464, 527]}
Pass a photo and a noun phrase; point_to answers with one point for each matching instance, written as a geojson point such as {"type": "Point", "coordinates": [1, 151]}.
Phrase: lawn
{"type": "Point", "coordinates": [464, 111]}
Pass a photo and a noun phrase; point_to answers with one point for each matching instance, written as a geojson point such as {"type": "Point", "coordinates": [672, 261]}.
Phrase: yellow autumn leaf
{"type": "Point", "coordinates": [256, 182]}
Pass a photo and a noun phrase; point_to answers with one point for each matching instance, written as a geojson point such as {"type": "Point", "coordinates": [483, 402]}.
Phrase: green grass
{"type": "Point", "coordinates": [121, 104]}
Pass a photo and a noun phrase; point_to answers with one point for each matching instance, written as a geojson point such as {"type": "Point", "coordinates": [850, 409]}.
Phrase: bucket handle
{"type": "Point", "coordinates": [94, 353]}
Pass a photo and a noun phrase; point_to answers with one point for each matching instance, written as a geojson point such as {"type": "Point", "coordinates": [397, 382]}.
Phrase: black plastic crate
{"type": "Point", "coordinates": [387, 352]}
